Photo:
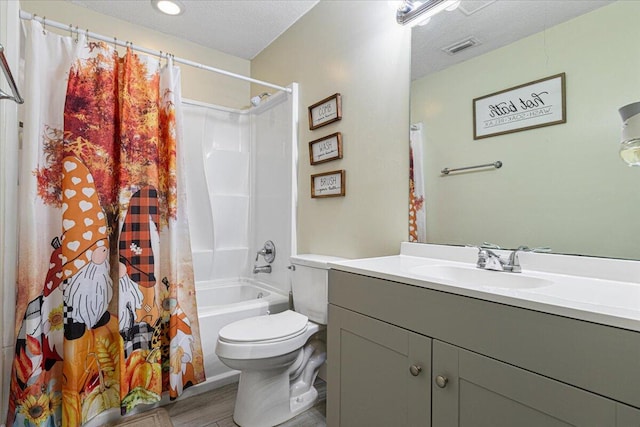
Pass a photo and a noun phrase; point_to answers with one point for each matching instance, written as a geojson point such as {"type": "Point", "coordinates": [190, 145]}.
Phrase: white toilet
{"type": "Point", "coordinates": [279, 354]}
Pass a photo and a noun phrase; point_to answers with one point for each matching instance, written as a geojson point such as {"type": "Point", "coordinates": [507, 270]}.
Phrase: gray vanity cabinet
{"type": "Point", "coordinates": [384, 373]}
{"type": "Point", "coordinates": [482, 364]}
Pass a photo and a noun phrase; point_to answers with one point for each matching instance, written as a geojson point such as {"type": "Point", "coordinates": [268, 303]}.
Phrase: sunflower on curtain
{"type": "Point", "coordinates": [106, 315]}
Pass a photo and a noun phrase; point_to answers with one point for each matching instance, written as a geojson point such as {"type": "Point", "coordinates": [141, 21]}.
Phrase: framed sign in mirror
{"type": "Point", "coordinates": [328, 184]}
{"type": "Point", "coordinates": [527, 106]}
{"type": "Point", "coordinates": [326, 149]}
{"type": "Point", "coordinates": [326, 111]}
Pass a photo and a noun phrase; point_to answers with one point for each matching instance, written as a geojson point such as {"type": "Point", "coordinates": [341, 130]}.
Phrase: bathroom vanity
{"type": "Point", "coordinates": [413, 342]}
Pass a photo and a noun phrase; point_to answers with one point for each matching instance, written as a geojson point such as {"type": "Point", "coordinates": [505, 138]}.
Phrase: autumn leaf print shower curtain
{"type": "Point", "coordinates": [106, 314]}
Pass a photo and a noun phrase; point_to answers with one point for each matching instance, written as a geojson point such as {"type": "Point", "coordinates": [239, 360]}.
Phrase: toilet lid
{"type": "Point", "coordinates": [265, 328]}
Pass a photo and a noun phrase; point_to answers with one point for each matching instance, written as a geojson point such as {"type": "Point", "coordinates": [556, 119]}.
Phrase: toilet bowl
{"type": "Point", "coordinates": [279, 355]}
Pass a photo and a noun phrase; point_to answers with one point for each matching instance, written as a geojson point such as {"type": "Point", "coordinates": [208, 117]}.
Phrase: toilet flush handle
{"type": "Point", "coordinates": [292, 267]}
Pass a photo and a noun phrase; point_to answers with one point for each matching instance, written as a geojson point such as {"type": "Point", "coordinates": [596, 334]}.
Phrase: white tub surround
{"type": "Point", "coordinates": [600, 290]}
{"type": "Point", "coordinates": [242, 186]}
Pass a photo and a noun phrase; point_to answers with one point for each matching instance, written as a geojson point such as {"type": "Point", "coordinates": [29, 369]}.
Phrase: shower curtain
{"type": "Point", "coordinates": [106, 314]}
{"type": "Point", "coordinates": [417, 209]}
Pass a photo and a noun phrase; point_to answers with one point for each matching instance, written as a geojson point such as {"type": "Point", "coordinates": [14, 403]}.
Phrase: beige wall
{"type": "Point", "coordinates": [358, 50]}
{"type": "Point", "coordinates": [196, 84]}
{"type": "Point", "coordinates": [562, 186]}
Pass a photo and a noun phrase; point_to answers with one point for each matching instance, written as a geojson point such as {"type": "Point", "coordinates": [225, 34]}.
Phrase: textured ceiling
{"type": "Point", "coordinates": [493, 23]}
{"type": "Point", "coordinates": [239, 28]}
{"type": "Point", "coordinates": [243, 28]}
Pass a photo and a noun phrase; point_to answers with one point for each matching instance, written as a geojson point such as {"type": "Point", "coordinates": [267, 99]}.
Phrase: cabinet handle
{"type": "Point", "coordinates": [415, 370]}
{"type": "Point", "coordinates": [441, 381]}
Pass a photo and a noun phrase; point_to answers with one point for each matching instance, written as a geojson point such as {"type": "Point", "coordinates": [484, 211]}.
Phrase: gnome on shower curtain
{"type": "Point", "coordinates": [87, 285]}
{"type": "Point", "coordinates": [138, 246]}
{"type": "Point", "coordinates": [43, 317]}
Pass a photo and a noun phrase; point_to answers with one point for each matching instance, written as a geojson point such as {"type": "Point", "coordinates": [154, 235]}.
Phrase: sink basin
{"type": "Point", "coordinates": [466, 276]}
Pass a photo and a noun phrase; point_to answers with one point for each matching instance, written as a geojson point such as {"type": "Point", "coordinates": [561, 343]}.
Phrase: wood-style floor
{"type": "Point", "coordinates": [215, 409]}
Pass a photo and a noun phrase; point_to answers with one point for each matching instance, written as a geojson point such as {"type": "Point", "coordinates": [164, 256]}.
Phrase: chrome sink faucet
{"type": "Point", "coordinates": [489, 260]}
{"type": "Point", "coordinates": [514, 261]}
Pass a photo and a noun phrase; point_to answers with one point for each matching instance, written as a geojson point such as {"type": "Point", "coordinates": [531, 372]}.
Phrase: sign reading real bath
{"type": "Point", "coordinates": [527, 106]}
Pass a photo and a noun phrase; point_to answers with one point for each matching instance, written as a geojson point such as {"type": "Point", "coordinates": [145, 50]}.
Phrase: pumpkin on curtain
{"type": "Point", "coordinates": [106, 314]}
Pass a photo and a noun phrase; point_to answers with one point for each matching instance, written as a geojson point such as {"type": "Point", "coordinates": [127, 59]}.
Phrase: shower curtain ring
{"type": "Point", "coordinates": [77, 34]}
{"type": "Point", "coordinates": [86, 35]}
{"type": "Point", "coordinates": [115, 43]}
{"type": "Point", "coordinates": [44, 25]}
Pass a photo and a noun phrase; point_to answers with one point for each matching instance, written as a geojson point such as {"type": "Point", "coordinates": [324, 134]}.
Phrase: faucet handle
{"type": "Point", "coordinates": [543, 249]}
{"type": "Point", "coordinates": [488, 245]}
{"type": "Point", "coordinates": [268, 251]}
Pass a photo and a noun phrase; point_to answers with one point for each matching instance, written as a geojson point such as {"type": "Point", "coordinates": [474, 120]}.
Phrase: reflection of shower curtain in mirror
{"type": "Point", "coordinates": [417, 210]}
{"type": "Point", "coordinates": [106, 314]}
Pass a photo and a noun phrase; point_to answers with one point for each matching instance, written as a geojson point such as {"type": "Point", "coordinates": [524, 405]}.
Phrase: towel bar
{"type": "Point", "coordinates": [7, 73]}
{"type": "Point", "coordinates": [497, 165]}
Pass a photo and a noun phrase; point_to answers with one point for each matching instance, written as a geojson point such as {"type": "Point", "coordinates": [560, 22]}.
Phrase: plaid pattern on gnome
{"type": "Point", "coordinates": [135, 238]}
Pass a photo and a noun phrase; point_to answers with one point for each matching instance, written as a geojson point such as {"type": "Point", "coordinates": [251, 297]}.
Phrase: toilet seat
{"type": "Point", "coordinates": [289, 332]}
{"type": "Point", "coordinates": [266, 328]}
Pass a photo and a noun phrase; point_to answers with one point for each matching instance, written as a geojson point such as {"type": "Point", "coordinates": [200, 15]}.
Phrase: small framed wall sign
{"type": "Point", "coordinates": [326, 111]}
{"type": "Point", "coordinates": [326, 149]}
{"type": "Point", "coordinates": [328, 184]}
{"type": "Point", "coordinates": [527, 106]}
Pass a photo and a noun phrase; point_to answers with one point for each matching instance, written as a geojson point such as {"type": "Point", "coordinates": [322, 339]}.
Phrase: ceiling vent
{"type": "Point", "coordinates": [461, 45]}
{"type": "Point", "coordinates": [469, 7]}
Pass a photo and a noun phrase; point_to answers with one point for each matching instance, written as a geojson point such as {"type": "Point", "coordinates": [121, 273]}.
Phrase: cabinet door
{"type": "Point", "coordinates": [378, 374]}
{"type": "Point", "coordinates": [483, 392]}
{"type": "Point", "coordinates": [627, 416]}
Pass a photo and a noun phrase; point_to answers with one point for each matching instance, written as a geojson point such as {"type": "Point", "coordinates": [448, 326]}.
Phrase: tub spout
{"type": "Point", "coordinates": [261, 269]}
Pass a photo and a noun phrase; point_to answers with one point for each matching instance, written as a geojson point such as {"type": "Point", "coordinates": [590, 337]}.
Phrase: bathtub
{"type": "Point", "coordinates": [221, 302]}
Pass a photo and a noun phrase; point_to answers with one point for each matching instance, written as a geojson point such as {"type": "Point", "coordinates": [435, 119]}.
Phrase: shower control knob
{"type": "Point", "coordinates": [441, 381]}
{"type": "Point", "coordinates": [415, 370]}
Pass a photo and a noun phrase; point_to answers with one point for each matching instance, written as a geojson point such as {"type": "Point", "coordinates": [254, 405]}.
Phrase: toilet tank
{"type": "Point", "coordinates": [309, 283]}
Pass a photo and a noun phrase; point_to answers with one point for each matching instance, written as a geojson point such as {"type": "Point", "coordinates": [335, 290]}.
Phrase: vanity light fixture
{"type": "Point", "coordinates": [413, 12]}
{"type": "Point", "coordinates": [168, 7]}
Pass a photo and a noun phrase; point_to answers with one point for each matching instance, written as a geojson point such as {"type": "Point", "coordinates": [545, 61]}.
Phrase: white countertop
{"type": "Point", "coordinates": [592, 289]}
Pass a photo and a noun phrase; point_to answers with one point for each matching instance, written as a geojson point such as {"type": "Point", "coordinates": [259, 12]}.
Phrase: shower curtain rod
{"type": "Point", "coordinates": [46, 22]}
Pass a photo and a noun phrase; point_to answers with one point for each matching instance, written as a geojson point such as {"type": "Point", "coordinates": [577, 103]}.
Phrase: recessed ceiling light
{"type": "Point", "coordinates": [169, 7]}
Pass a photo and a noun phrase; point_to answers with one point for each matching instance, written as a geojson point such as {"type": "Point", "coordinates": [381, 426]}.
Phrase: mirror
{"type": "Point", "coordinates": [563, 186]}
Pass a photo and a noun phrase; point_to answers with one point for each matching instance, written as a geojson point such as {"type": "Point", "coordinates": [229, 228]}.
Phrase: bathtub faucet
{"type": "Point", "coordinates": [261, 269]}
{"type": "Point", "coordinates": [268, 251]}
